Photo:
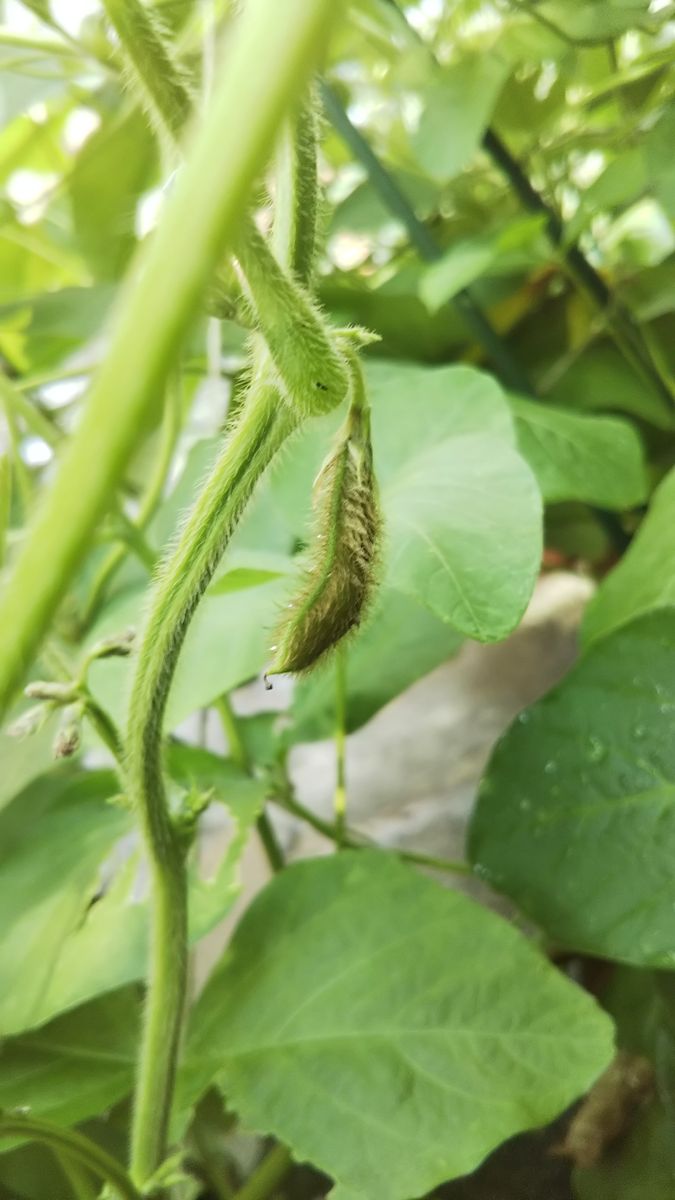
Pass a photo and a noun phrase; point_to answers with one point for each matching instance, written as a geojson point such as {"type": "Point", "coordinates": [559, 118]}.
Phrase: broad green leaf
{"type": "Point", "coordinates": [575, 457]}
{"type": "Point", "coordinates": [122, 152]}
{"type": "Point", "coordinates": [109, 945]}
{"type": "Point", "coordinates": [600, 379]}
{"type": "Point", "coordinates": [400, 642]}
{"type": "Point", "coordinates": [53, 839]}
{"type": "Point", "coordinates": [458, 104]}
{"type": "Point", "coordinates": [469, 258]}
{"type": "Point", "coordinates": [464, 533]}
{"type": "Point", "coordinates": [462, 511]}
{"type": "Point", "coordinates": [76, 1066]}
{"type": "Point", "coordinates": [645, 577]}
{"type": "Point", "coordinates": [363, 1010]}
{"type": "Point", "coordinates": [575, 818]}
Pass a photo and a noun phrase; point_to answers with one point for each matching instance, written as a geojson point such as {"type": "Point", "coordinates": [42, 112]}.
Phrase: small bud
{"type": "Point", "coordinates": [67, 741]}
{"type": "Point", "coordinates": [46, 689]}
{"type": "Point", "coordinates": [31, 721]}
{"type": "Point", "coordinates": [117, 646]}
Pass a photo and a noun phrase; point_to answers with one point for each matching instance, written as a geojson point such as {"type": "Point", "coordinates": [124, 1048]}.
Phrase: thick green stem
{"type": "Point", "coordinates": [79, 1148]}
{"type": "Point", "coordinates": [263, 426]}
{"type": "Point", "coordinates": [239, 755]}
{"type": "Point", "coordinates": [269, 58]}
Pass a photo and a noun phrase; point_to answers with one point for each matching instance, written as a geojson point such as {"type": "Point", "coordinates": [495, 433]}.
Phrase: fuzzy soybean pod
{"type": "Point", "coordinates": [340, 575]}
{"type": "Point", "coordinates": [312, 373]}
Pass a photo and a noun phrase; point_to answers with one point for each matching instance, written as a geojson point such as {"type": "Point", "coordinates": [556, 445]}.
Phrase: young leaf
{"type": "Point", "coordinates": [363, 1010]}
{"type": "Point", "coordinates": [576, 815]}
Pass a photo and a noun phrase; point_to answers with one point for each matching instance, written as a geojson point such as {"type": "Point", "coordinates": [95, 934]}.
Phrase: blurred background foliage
{"type": "Point", "coordinates": [499, 184]}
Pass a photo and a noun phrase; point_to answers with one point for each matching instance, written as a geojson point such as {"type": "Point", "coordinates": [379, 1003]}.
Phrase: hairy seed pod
{"type": "Point", "coordinates": [312, 372]}
{"type": "Point", "coordinates": [340, 574]}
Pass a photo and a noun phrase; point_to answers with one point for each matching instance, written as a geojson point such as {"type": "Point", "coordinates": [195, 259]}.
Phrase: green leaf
{"type": "Point", "coordinates": [600, 379]}
{"type": "Point", "coordinates": [76, 1066]}
{"type": "Point", "coordinates": [458, 105]}
{"type": "Point", "coordinates": [53, 839]}
{"type": "Point", "coordinates": [645, 577]}
{"type": "Point", "coordinates": [598, 460]}
{"type": "Point", "coordinates": [576, 814]}
{"type": "Point", "coordinates": [469, 258]}
{"type": "Point", "coordinates": [462, 510]}
{"type": "Point", "coordinates": [399, 644]}
{"type": "Point", "coordinates": [108, 947]}
{"type": "Point", "coordinates": [363, 1009]}
{"type": "Point", "coordinates": [122, 152]}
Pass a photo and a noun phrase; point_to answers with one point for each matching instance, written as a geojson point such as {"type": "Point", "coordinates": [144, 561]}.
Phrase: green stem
{"type": "Point", "coordinates": [340, 799]}
{"type": "Point", "coordinates": [5, 503]}
{"type": "Point", "coordinates": [264, 425]}
{"type": "Point", "coordinates": [77, 1177]}
{"type": "Point", "coordinates": [267, 1176]}
{"type": "Point", "coordinates": [104, 726]}
{"type": "Point", "coordinates": [235, 742]}
{"type": "Point", "coordinates": [296, 209]}
{"type": "Point", "coordinates": [239, 754]}
{"type": "Point", "coordinates": [268, 59]}
{"type": "Point", "coordinates": [79, 1148]}
{"type": "Point", "coordinates": [356, 841]}
{"type": "Point", "coordinates": [22, 475]}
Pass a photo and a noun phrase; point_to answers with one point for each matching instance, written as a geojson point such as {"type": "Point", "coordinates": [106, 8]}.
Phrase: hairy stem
{"type": "Point", "coordinates": [296, 210]}
{"type": "Point", "coordinates": [239, 755]}
{"type": "Point", "coordinates": [263, 426]}
{"type": "Point", "coordinates": [268, 59]}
